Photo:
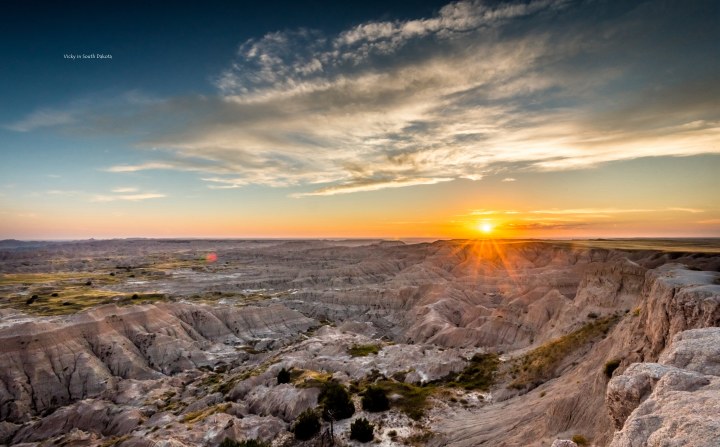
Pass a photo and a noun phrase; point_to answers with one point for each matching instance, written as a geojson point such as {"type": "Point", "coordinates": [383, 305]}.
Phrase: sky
{"type": "Point", "coordinates": [397, 119]}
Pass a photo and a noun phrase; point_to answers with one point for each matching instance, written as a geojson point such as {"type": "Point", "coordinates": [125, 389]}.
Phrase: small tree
{"type": "Point", "coordinates": [283, 376]}
{"type": "Point", "coordinates": [336, 402]}
{"type": "Point", "coordinates": [361, 430]}
{"type": "Point", "coordinates": [306, 425]}
{"type": "Point", "coordinates": [374, 400]}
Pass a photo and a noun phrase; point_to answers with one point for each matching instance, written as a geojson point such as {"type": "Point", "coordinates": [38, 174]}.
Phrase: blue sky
{"type": "Point", "coordinates": [365, 119]}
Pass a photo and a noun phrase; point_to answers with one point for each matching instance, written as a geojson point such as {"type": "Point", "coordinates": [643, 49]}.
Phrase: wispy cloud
{"type": "Point", "coordinates": [533, 226]}
{"type": "Point", "coordinates": [365, 185]}
{"type": "Point", "coordinates": [142, 167]}
{"type": "Point", "coordinates": [601, 211]}
{"type": "Point", "coordinates": [41, 118]}
{"type": "Point", "coordinates": [125, 190]}
{"type": "Point", "coordinates": [63, 192]}
{"type": "Point", "coordinates": [508, 179]}
{"type": "Point", "coordinates": [131, 194]}
{"type": "Point", "coordinates": [473, 90]}
{"type": "Point", "coordinates": [126, 197]}
{"type": "Point", "coordinates": [594, 211]}
{"type": "Point", "coordinates": [558, 218]}
{"type": "Point", "coordinates": [687, 210]}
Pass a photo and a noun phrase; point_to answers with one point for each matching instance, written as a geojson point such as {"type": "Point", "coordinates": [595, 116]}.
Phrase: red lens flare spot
{"type": "Point", "coordinates": [211, 257]}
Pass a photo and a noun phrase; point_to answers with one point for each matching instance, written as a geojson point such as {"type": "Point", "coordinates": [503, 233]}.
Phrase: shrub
{"type": "Point", "coordinates": [374, 400]}
{"type": "Point", "coordinates": [592, 315]}
{"type": "Point", "coordinates": [610, 367]}
{"type": "Point", "coordinates": [335, 401]}
{"type": "Point", "coordinates": [227, 442]}
{"type": "Point", "coordinates": [361, 430]}
{"type": "Point", "coordinates": [306, 425]}
{"type": "Point", "coordinates": [283, 376]}
{"type": "Point", "coordinates": [579, 440]}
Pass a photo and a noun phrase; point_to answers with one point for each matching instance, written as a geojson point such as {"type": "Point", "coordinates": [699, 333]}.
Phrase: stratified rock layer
{"type": "Point", "coordinates": [48, 363]}
{"type": "Point", "coordinates": [182, 373]}
{"type": "Point", "coordinates": [673, 299]}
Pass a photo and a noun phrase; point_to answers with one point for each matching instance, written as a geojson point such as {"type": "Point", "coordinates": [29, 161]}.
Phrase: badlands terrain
{"type": "Point", "coordinates": [515, 343]}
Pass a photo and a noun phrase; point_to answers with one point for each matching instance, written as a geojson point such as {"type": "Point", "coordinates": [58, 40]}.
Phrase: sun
{"type": "Point", "coordinates": [485, 227]}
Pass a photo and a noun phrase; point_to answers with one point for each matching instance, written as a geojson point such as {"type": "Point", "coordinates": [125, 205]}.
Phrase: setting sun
{"type": "Point", "coordinates": [485, 227]}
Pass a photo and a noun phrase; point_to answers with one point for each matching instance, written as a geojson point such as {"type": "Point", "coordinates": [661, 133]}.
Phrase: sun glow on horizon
{"type": "Point", "coordinates": [485, 227]}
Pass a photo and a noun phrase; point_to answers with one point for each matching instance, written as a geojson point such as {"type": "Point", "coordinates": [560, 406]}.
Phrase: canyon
{"type": "Point", "coordinates": [170, 342]}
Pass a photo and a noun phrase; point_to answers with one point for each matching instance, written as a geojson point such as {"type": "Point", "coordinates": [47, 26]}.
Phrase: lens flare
{"type": "Point", "coordinates": [211, 257]}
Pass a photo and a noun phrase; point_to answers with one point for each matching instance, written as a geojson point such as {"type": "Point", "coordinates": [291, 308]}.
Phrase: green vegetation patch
{"type": "Point", "coordinates": [211, 379]}
{"type": "Point", "coordinates": [309, 379]}
{"type": "Point", "coordinates": [221, 383]}
{"type": "Point", "coordinates": [174, 406]}
{"type": "Point", "coordinates": [538, 365]}
{"type": "Point", "coordinates": [196, 416]}
{"type": "Point", "coordinates": [364, 350]}
{"type": "Point", "coordinates": [408, 398]}
{"type": "Point", "coordinates": [479, 374]}
{"type": "Point", "coordinates": [238, 299]}
{"type": "Point", "coordinates": [51, 278]}
{"type": "Point", "coordinates": [66, 300]}
{"type": "Point", "coordinates": [419, 439]}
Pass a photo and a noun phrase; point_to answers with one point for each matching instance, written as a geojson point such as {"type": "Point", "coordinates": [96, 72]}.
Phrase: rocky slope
{"type": "Point", "coordinates": [48, 363]}
{"type": "Point", "coordinates": [673, 300]}
{"type": "Point", "coordinates": [196, 361]}
{"type": "Point", "coordinates": [675, 401]}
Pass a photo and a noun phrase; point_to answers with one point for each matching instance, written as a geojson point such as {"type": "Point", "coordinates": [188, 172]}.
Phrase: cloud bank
{"type": "Point", "coordinates": [476, 89]}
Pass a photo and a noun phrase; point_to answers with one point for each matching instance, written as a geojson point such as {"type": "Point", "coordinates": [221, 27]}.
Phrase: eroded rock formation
{"type": "Point", "coordinates": [201, 363]}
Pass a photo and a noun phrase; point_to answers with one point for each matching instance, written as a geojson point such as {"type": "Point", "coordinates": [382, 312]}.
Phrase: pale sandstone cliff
{"type": "Point", "coordinates": [673, 402]}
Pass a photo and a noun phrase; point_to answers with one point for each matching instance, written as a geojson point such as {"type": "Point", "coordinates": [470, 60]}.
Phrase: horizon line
{"type": "Point", "coordinates": [340, 238]}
